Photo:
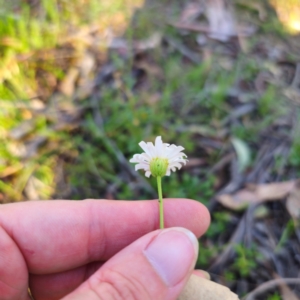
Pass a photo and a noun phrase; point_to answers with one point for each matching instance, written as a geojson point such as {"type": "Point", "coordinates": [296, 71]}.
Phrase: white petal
{"type": "Point", "coordinates": [140, 158]}
{"type": "Point", "coordinates": [179, 160]}
{"type": "Point", "coordinates": [135, 159]}
{"type": "Point", "coordinates": [145, 157]}
{"type": "Point", "coordinates": [175, 165]}
{"type": "Point", "coordinates": [175, 152]}
{"type": "Point", "coordinates": [151, 149]}
{"type": "Point", "coordinates": [159, 147]}
{"type": "Point", "coordinates": [145, 147]}
{"type": "Point", "coordinates": [147, 174]}
{"type": "Point", "coordinates": [142, 166]}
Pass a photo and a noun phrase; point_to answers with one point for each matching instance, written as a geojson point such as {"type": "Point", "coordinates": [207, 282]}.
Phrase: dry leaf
{"type": "Point", "coordinates": [139, 46]}
{"type": "Point", "coordinates": [288, 13]}
{"type": "Point", "coordinates": [221, 21]}
{"type": "Point", "coordinates": [23, 129]}
{"type": "Point", "coordinates": [150, 43]}
{"type": "Point", "coordinates": [191, 12]}
{"type": "Point", "coordinates": [67, 86]}
{"type": "Point", "coordinates": [33, 146]}
{"type": "Point", "coordinates": [257, 194]}
{"type": "Point", "coordinates": [86, 65]}
{"type": "Point", "coordinates": [35, 189]}
{"type": "Point", "coordinates": [239, 200]}
{"type": "Point", "coordinates": [30, 190]}
{"type": "Point", "coordinates": [220, 16]}
{"type": "Point", "coordinates": [10, 170]}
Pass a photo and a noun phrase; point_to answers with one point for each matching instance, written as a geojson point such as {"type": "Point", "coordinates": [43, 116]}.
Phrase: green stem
{"type": "Point", "coordinates": [161, 206]}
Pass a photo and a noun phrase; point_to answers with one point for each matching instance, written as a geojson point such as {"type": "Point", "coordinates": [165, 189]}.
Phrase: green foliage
{"type": "Point", "coordinates": [294, 157]}
{"type": "Point", "coordinates": [245, 261]}
{"type": "Point", "coordinates": [219, 223]}
{"type": "Point", "coordinates": [21, 34]}
{"type": "Point", "coordinates": [274, 26]}
{"type": "Point", "coordinates": [286, 235]}
{"type": "Point", "coordinates": [229, 276]}
{"type": "Point", "coordinates": [275, 296]}
{"type": "Point", "coordinates": [205, 255]}
{"type": "Point", "coordinates": [243, 153]}
{"type": "Point", "coordinates": [249, 131]}
{"type": "Point", "coordinates": [181, 101]}
{"type": "Point", "coordinates": [266, 102]}
{"type": "Point", "coordinates": [208, 251]}
{"type": "Point", "coordinates": [139, 122]}
{"type": "Point", "coordinates": [127, 119]}
{"type": "Point", "coordinates": [30, 36]}
{"type": "Point", "coordinates": [189, 187]}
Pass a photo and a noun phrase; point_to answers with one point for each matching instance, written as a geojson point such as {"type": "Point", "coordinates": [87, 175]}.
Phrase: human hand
{"type": "Point", "coordinates": [97, 249]}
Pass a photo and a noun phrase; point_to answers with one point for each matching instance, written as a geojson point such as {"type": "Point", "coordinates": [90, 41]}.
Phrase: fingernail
{"type": "Point", "coordinates": [173, 254]}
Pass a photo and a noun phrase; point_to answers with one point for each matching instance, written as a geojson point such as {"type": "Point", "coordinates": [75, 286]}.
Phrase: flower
{"type": "Point", "coordinates": [160, 159]}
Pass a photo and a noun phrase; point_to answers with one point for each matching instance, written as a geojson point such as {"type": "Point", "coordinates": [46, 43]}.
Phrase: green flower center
{"type": "Point", "coordinates": [159, 166]}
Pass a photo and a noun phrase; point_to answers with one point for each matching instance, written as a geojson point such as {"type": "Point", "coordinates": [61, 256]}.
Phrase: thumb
{"type": "Point", "coordinates": [156, 266]}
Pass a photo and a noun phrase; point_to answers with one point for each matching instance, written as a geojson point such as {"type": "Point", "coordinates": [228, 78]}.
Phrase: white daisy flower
{"type": "Point", "coordinates": [160, 159]}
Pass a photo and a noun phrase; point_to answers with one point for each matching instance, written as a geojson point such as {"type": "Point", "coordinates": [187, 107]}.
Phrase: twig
{"type": "Point", "coordinates": [244, 32]}
{"type": "Point", "coordinates": [296, 79]}
{"type": "Point", "coordinates": [269, 285]}
{"type": "Point", "coordinates": [192, 56]}
{"type": "Point", "coordinates": [236, 181]}
{"type": "Point", "coordinates": [225, 160]}
{"type": "Point", "coordinates": [239, 234]}
{"type": "Point", "coordinates": [111, 146]}
{"type": "Point", "coordinates": [227, 253]}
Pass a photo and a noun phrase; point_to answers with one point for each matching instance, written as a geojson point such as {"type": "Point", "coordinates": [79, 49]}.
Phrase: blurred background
{"type": "Point", "coordinates": [83, 82]}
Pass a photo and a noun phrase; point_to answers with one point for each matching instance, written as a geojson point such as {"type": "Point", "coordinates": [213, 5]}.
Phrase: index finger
{"type": "Point", "coordinates": [60, 235]}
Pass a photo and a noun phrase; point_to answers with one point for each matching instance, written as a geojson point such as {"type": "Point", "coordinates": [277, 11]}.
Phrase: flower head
{"type": "Point", "coordinates": [160, 159]}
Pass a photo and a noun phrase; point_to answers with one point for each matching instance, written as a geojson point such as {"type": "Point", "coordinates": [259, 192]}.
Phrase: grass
{"type": "Point", "coordinates": [176, 104]}
{"type": "Point", "coordinates": [32, 39]}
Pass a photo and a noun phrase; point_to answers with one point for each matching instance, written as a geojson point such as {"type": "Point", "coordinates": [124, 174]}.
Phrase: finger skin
{"type": "Point", "coordinates": [130, 275]}
{"type": "Point", "coordinates": [55, 286]}
{"type": "Point", "coordinates": [60, 236]}
{"type": "Point", "coordinates": [12, 265]}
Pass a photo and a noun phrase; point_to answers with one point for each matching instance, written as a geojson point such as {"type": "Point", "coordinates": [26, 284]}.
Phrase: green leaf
{"type": "Point", "coordinates": [243, 153]}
